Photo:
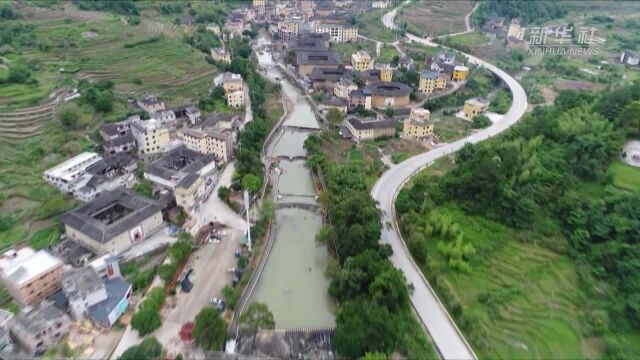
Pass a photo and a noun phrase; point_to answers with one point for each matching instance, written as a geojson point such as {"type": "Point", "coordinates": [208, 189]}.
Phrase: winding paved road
{"type": "Point", "coordinates": [447, 337]}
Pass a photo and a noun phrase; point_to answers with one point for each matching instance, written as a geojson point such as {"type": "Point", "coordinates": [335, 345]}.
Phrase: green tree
{"type": "Point", "coordinates": [180, 250]}
{"type": "Point", "coordinates": [144, 188]}
{"type": "Point", "coordinates": [389, 112]}
{"type": "Point", "coordinates": [148, 349]}
{"type": "Point", "coordinates": [389, 289]}
{"type": "Point", "coordinates": [210, 329]}
{"type": "Point", "coordinates": [251, 183]}
{"type": "Point", "coordinates": [104, 102]}
{"type": "Point", "coordinates": [146, 320]}
{"type": "Point", "coordinates": [356, 225]}
{"type": "Point", "coordinates": [257, 317]}
{"type": "Point", "coordinates": [374, 356]}
{"type": "Point", "coordinates": [223, 193]}
{"type": "Point", "coordinates": [69, 116]}
{"type": "Point", "coordinates": [335, 117]}
{"type": "Point", "coordinates": [166, 272]}
{"type": "Point", "coordinates": [481, 122]}
{"type": "Point", "coordinates": [363, 326]}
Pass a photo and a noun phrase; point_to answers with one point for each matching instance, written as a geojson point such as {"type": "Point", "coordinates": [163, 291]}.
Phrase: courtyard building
{"type": "Point", "coordinates": [326, 78]}
{"type": "Point", "coordinates": [309, 61]}
{"type": "Point", "coordinates": [114, 221]}
{"type": "Point", "coordinates": [388, 94]}
{"type": "Point", "coordinates": [170, 169]}
{"type": "Point", "coordinates": [370, 128]}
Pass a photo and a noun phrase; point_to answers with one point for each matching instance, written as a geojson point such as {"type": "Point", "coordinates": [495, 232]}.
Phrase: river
{"type": "Point", "coordinates": [293, 283]}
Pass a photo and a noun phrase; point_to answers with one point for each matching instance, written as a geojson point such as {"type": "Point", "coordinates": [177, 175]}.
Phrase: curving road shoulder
{"type": "Point", "coordinates": [448, 339]}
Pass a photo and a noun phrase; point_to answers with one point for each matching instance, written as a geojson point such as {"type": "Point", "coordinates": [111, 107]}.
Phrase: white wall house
{"type": "Point", "coordinates": [67, 176]}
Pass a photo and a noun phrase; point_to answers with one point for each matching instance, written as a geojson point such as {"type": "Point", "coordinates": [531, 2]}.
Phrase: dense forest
{"type": "Point", "coordinates": [527, 11]}
{"type": "Point", "coordinates": [374, 316]}
{"type": "Point", "coordinates": [539, 178]}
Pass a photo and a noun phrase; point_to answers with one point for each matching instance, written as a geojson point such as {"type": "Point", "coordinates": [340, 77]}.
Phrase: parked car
{"type": "Point", "coordinates": [219, 304]}
{"type": "Point", "coordinates": [186, 285]}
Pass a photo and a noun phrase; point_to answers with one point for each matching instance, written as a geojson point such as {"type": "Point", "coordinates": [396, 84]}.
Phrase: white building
{"type": "Point", "coordinates": [193, 114]}
{"type": "Point", "coordinates": [65, 176]}
{"type": "Point", "coordinates": [151, 137]}
{"type": "Point", "coordinates": [380, 4]}
{"type": "Point", "coordinates": [164, 116]}
{"type": "Point", "coordinates": [515, 30]}
{"type": "Point", "coordinates": [83, 288]}
{"type": "Point", "coordinates": [629, 57]}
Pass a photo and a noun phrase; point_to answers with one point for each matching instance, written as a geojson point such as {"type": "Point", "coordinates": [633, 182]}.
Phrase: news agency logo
{"type": "Point", "coordinates": [564, 41]}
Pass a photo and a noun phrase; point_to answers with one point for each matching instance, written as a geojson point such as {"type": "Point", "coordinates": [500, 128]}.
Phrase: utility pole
{"type": "Point", "coordinates": [247, 207]}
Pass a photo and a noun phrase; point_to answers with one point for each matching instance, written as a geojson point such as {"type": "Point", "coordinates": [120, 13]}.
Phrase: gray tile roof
{"type": "Point", "coordinates": [188, 180]}
{"type": "Point", "coordinates": [81, 218]}
{"type": "Point", "coordinates": [387, 88]}
{"type": "Point", "coordinates": [38, 317]}
{"type": "Point", "coordinates": [117, 289]}
{"type": "Point", "coordinates": [371, 123]}
{"type": "Point", "coordinates": [178, 163]}
{"type": "Point", "coordinates": [82, 282]}
{"type": "Point", "coordinates": [317, 58]}
{"type": "Point", "coordinates": [330, 74]}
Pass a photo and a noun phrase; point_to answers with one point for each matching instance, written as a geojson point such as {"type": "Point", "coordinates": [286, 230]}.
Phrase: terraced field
{"type": "Point", "coordinates": [520, 299]}
{"type": "Point", "coordinates": [29, 122]}
{"type": "Point", "coordinates": [435, 17]}
{"type": "Point", "coordinates": [31, 140]}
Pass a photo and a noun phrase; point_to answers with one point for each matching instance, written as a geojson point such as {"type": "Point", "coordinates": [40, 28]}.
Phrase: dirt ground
{"type": "Point", "coordinates": [437, 17]}
{"type": "Point", "coordinates": [548, 94]}
{"type": "Point", "coordinates": [564, 84]}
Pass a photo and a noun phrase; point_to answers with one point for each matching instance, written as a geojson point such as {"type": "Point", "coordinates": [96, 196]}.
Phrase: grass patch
{"type": "Point", "coordinates": [370, 25]}
{"type": "Point", "coordinates": [520, 300]}
{"type": "Point", "coordinates": [473, 38]}
{"type": "Point", "coordinates": [387, 54]}
{"type": "Point", "coordinates": [345, 50]}
{"type": "Point", "coordinates": [625, 176]}
{"type": "Point", "coordinates": [436, 18]}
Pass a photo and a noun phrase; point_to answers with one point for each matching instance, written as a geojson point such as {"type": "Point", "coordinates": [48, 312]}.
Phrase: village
{"type": "Point", "coordinates": [157, 173]}
{"type": "Point", "coordinates": [163, 225]}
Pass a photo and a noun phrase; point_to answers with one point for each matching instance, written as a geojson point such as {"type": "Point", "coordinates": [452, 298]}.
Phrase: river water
{"type": "Point", "coordinates": [292, 283]}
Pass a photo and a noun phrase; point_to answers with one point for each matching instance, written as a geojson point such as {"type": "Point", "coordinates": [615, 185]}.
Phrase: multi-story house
{"type": "Point", "coordinates": [209, 141]}
{"type": "Point", "coordinates": [151, 137]}
{"type": "Point", "coordinates": [221, 55]}
{"type": "Point", "coordinates": [460, 73]}
{"type": "Point", "coordinates": [150, 103]}
{"type": "Point", "coordinates": [30, 276]}
{"type": "Point", "coordinates": [417, 126]}
{"type": "Point", "coordinates": [431, 81]}
{"type": "Point", "coordinates": [515, 30]}
{"type": "Point", "coordinates": [475, 106]}
{"type": "Point", "coordinates": [361, 61]}
{"type": "Point", "coordinates": [39, 327]}
{"type": "Point", "coordinates": [343, 88]}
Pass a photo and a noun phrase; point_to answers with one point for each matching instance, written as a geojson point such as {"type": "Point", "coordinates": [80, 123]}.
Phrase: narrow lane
{"type": "Point", "coordinates": [448, 339]}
